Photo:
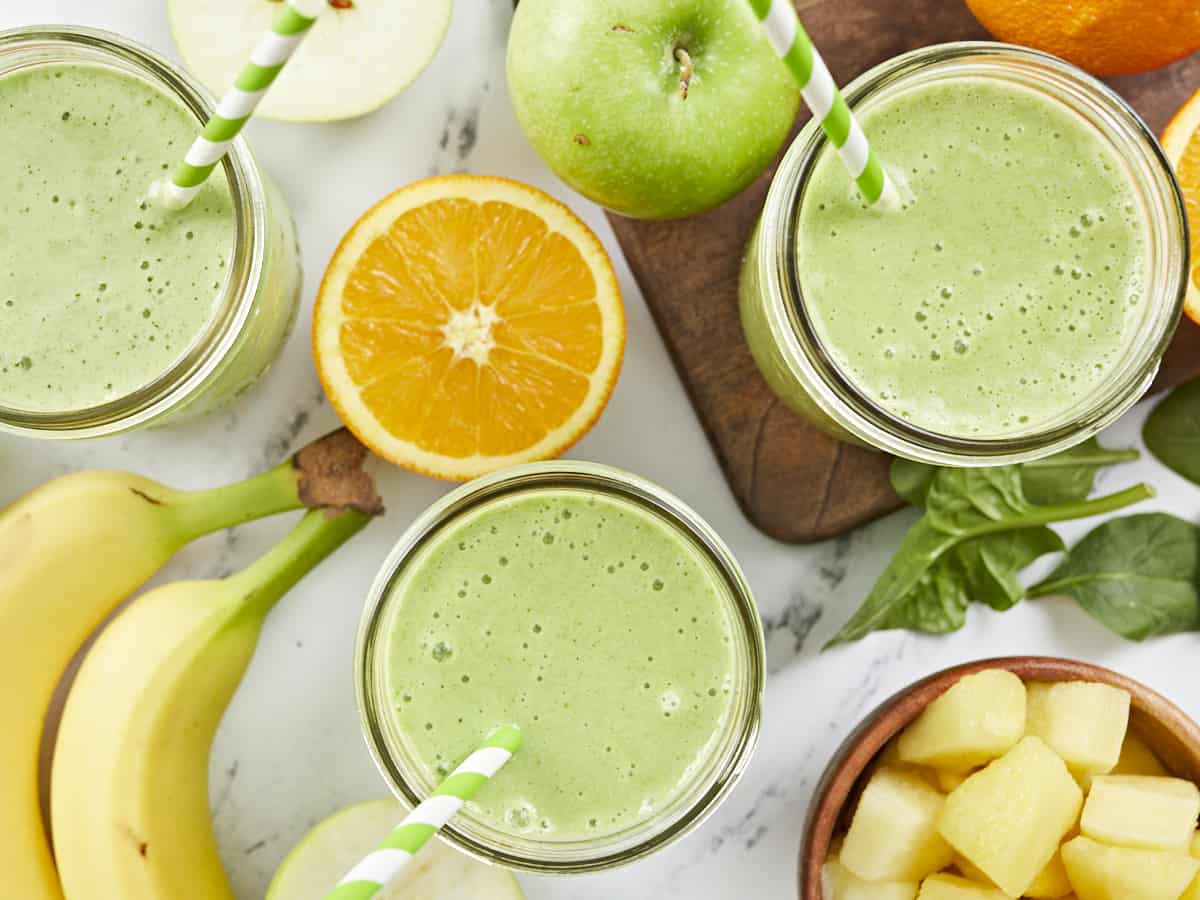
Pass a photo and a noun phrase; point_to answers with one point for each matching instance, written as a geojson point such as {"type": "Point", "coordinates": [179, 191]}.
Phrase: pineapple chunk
{"type": "Point", "coordinates": [1137, 759]}
{"type": "Point", "coordinates": [1142, 811]}
{"type": "Point", "coordinates": [951, 887]}
{"type": "Point", "coordinates": [1100, 872]}
{"type": "Point", "coordinates": [1082, 721]}
{"type": "Point", "coordinates": [978, 719]}
{"type": "Point", "coordinates": [1193, 892]}
{"type": "Point", "coordinates": [1052, 882]}
{"type": "Point", "coordinates": [970, 871]}
{"type": "Point", "coordinates": [889, 758]}
{"type": "Point", "coordinates": [841, 884]}
{"type": "Point", "coordinates": [1009, 818]}
{"type": "Point", "coordinates": [893, 835]}
{"type": "Point", "coordinates": [948, 781]}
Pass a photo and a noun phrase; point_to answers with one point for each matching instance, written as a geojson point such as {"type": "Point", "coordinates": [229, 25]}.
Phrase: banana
{"type": "Point", "coordinates": [129, 783]}
{"type": "Point", "coordinates": [70, 552]}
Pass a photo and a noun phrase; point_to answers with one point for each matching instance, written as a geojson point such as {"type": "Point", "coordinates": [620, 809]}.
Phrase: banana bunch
{"type": "Point", "coordinates": [70, 552]}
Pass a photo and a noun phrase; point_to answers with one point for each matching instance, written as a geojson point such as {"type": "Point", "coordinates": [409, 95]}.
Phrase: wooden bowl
{"type": "Point", "coordinates": [1165, 728]}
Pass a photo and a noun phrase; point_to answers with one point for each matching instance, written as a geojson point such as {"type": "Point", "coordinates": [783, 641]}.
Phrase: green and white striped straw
{"type": "Point", "coordinates": [274, 49]}
{"type": "Point", "coordinates": [370, 876]}
{"type": "Point", "coordinates": [795, 48]}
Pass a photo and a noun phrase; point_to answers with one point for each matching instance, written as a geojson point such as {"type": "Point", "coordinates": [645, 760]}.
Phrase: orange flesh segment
{"type": "Point", "coordinates": [1188, 171]}
{"type": "Point", "coordinates": [457, 256]}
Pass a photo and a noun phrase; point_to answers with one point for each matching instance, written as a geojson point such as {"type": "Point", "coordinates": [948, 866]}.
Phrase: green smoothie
{"type": "Point", "coordinates": [1008, 288]}
{"type": "Point", "coordinates": [100, 292]}
{"type": "Point", "coordinates": [596, 626]}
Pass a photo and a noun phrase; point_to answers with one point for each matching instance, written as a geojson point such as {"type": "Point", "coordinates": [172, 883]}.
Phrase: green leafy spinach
{"type": "Point", "coordinates": [1062, 478]}
{"type": "Point", "coordinates": [982, 570]}
{"type": "Point", "coordinates": [1136, 575]}
{"type": "Point", "coordinates": [969, 545]}
{"type": "Point", "coordinates": [1069, 476]}
{"type": "Point", "coordinates": [1172, 431]}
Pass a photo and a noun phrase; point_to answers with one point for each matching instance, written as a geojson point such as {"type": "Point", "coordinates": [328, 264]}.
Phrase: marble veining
{"type": "Point", "coordinates": [289, 751]}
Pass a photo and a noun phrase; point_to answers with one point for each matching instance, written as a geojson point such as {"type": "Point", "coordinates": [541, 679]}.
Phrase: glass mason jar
{"type": "Point", "coordinates": [781, 333]}
{"type": "Point", "coordinates": [257, 301]}
{"type": "Point", "coordinates": [708, 783]}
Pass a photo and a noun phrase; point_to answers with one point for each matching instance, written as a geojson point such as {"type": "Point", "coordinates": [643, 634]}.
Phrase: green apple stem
{"type": "Point", "coordinates": [326, 474]}
{"type": "Point", "coordinates": [260, 585]}
{"type": "Point", "coordinates": [685, 71]}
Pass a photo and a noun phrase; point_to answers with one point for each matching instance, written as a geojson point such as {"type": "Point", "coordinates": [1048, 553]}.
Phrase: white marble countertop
{"type": "Point", "coordinates": [289, 751]}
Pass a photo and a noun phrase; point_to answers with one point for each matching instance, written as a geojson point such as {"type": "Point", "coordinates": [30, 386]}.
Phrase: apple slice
{"type": "Point", "coordinates": [327, 852]}
{"type": "Point", "coordinates": [360, 54]}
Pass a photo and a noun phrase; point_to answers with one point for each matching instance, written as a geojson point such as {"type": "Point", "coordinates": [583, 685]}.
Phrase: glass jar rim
{"type": "Point", "coordinates": [728, 760]}
{"type": "Point", "coordinates": [232, 307]}
{"type": "Point", "coordinates": [834, 392]}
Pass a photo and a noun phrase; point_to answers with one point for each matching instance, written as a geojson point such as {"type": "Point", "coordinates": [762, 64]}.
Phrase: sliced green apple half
{"type": "Point", "coordinates": [438, 872]}
{"type": "Point", "coordinates": [359, 55]}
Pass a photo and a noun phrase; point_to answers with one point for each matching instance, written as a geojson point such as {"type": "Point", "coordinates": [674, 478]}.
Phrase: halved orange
{"type": "Point", "coordinates": [468, 323]}
{"type": "Point", "coordinates": [1181, 142]}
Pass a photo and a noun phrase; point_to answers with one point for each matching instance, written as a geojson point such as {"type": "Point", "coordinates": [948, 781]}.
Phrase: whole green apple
{"type": "Point", "coordinates": [653, 108]}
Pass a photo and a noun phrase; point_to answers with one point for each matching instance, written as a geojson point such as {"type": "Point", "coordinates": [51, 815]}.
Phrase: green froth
{"type": "Point", "coordinates": [1010, 287]}
{"type": "Point", "coordinates": [595, 626]}
{"type": "Point", "coordinates": [100, 291]}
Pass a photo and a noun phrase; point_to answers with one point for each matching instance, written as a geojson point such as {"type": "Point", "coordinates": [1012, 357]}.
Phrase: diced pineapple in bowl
{"type": "Point", "coordinates": [1023, 777]}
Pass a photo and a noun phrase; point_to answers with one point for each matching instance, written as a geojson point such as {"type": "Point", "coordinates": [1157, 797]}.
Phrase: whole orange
{"type": "Point", "coordinates": [1104, 37]}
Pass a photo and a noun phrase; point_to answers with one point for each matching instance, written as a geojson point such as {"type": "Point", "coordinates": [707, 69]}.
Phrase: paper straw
{"type": "Point", "coordinates": [778, 18]}
{"type": "Point", "coordinates": [274, 49]}
{"type": "Point", "coordinates": [370, 876]}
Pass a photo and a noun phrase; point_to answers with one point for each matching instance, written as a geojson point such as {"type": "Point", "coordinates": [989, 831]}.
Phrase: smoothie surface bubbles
{"type": "Point", "coordinates": [595, 624]}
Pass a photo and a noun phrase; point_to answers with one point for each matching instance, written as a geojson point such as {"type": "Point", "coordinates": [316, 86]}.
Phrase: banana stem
{"type": "Point", "coordinates": [261, 585]}
{"type": "Point", "coordinates": [326, 474]}
{"type": "Point", "coordinates": [200, 512]}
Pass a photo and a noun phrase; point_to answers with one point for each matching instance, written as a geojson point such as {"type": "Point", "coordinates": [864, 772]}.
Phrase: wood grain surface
{"type": "Point", "coordinates": [792, 481]}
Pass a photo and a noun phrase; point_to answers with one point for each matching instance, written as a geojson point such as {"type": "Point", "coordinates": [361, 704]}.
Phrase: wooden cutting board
{"type": "Point", "coordinates": [792, 481]}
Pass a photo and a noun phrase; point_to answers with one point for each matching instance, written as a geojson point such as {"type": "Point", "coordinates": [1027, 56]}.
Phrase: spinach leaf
{"type": "Point", "coordinates": [1172, 431]}
{"type": "Point", "coordinates": [982, 570]}
{"type": "Point", "coordinates": [924, 586]}
{"type": "Point", "coordinates": [1069, 475]}
{"type": "Point", "coordinates": [911, 480]}
{"type": "Point", "coordinates": [1061, 478]}
{"type": "Point", "coordinates": [1136, 575]}
{"type": "Point", "coordinates": [961, 501]}
{"type": "Point", "coordinates": [990, 564]}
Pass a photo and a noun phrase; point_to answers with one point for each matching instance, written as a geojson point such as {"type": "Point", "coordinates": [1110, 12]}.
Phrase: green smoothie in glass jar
{"type": "Point", "coordinates": [599, 615]}
{"type": "Point", "coordinates": [1019, 296]}
{"type": "Point", "coordinates": [116, 312]}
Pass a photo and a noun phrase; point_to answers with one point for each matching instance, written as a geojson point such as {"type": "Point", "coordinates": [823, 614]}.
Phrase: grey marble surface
{"type": "Point", "coordinates": [289, 752]}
